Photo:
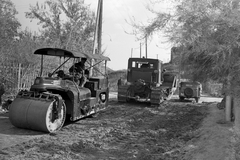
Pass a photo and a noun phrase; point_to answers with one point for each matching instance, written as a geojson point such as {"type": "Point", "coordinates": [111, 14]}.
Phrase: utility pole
{"type": "Point", "coordinates": [140, 50]}
{"type": "Point", "coordinates": [146, 44]}
{"type": "Point", "coordinates": [131, 52]}
{"type": "Point", "coordinates": [97, 43]}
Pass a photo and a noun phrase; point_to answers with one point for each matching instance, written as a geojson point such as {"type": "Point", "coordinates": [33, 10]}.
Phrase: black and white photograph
{"type": "Point", "coordinates": [119, 79]}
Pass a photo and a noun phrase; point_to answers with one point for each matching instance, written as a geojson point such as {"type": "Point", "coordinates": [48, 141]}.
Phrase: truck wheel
{"type": "Point", "coordinates": [197, 99]}
{"type": "Point", "coordinates": [188, 92]}
{"type": "Point", "coordinates": [156, 97]}
{"type": "Point", "coordinates": [181, 98]}
{"type": "Point", "coordinates": [122, 93]}
{"type": "Point", "coordinates": [128, 99]}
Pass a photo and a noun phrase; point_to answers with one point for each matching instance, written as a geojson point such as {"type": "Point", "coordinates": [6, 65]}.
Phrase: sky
{"type": "Point", "coordinates": [118, 43]}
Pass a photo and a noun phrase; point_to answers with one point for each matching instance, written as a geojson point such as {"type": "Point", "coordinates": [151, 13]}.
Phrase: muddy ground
{"type": "Point", "coordinates": [175, 130]}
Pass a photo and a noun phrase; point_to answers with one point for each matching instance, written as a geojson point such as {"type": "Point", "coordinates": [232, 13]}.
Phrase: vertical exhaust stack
{"type": "Point", "coordinates": [97, 43]}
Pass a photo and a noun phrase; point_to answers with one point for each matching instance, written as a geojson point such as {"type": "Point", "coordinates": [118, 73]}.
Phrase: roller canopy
{"type": "Point", "coordinates": [65, 53]}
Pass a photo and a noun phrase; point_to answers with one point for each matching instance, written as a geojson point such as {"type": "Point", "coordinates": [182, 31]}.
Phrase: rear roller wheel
{"type": "Point", "coordinates": [38, 114]}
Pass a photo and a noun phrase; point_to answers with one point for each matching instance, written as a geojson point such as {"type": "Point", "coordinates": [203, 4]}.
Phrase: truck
{"type": "Point", "coordinates": [190, 89]}
{"type": "Point", "coordinates": [147, 81]}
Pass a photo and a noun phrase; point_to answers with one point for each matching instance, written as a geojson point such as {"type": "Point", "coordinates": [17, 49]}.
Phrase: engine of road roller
{"type": "Point", "coordinates": [45, 106]}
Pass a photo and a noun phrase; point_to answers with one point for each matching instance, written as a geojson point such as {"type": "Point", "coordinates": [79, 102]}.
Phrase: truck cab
{"type": "Point", "coordinates": [146, 69]}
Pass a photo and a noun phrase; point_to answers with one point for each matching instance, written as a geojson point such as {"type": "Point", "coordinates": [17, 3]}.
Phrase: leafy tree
{"type": "Point", "coordinates": [9, 26]}
{"type": "Point", "coordinates": [67, 24]}
{"type": "Point", "coordinates": [23, 47]}
{"type": "Point", "coordinates": [207, 31]}
{"type": "Point", "coordinates": [9, 23]}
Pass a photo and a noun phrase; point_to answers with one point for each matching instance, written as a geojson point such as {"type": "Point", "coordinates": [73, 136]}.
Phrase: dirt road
{"type": "Point", "coordinates": [176, 130]}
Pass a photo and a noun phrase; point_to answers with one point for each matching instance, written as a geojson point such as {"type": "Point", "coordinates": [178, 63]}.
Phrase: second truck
{"type": "Point", "coordinates": [147, 82]}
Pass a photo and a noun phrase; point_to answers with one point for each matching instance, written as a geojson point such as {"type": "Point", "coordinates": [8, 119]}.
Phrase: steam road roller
{"type": "Point", "coordinates": [51, 98]}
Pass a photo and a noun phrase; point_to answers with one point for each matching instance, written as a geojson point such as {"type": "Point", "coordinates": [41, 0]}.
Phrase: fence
{"type": "Point", "coordinates": [17, 77]}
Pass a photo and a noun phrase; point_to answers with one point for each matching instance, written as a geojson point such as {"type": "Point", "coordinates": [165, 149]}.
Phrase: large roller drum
{"type": "Point", "coordinates": [37, 114]}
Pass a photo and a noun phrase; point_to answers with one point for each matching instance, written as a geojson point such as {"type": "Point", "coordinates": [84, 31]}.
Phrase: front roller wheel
{"type": "Point", "coordinates": [55, 117]}
{"type": "Point", "coordinates": [38, 114]}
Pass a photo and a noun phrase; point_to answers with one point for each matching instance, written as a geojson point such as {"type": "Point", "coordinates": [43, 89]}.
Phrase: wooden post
{"type": "Point", "coordinates": [236, 103]}
{"type": "Point", "coordinates": [19, 76]}
{"type": "Point", "coordinates": [41, 71]}
{"type": "Point", "coordinates": [97, 42]}
{"type": "Point", "coordinates": [228, 103]}
{"type": "Point", "coordinates": [146, 45]}
{"type": "Point", "coordinates": [228, 108]}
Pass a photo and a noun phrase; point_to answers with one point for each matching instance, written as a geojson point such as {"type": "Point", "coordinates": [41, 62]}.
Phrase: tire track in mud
{"type": "Point", "coordinates": [122, 131]}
